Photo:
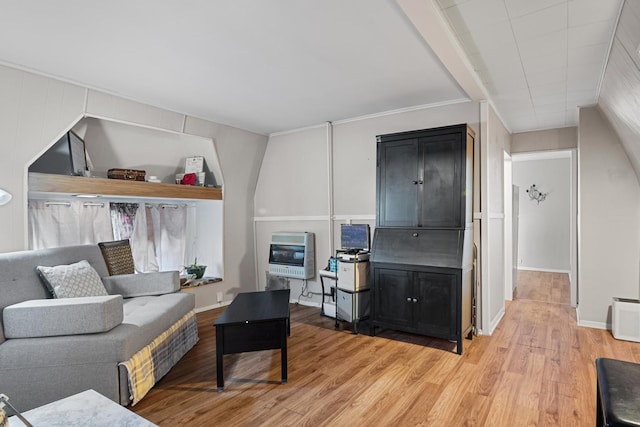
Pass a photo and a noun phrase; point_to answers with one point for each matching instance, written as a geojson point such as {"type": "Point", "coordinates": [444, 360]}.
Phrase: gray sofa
{"type": "Point", "coordinates": [53, 348]}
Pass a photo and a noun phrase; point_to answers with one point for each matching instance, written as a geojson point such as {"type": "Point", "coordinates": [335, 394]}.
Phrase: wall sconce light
{"type": "Point", "coordinates": [5, 197]}
{"type": "Point", "coordinates": [535, 194]}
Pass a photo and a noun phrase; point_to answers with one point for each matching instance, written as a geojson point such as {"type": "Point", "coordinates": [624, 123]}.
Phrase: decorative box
{"type": "Point", "coordinates": [126, 174]}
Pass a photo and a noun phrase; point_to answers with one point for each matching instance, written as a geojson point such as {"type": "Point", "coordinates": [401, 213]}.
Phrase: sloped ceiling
{"type": "Point", "coordinates": [260, 65]}
{"type": "Point", "coordinates": [277, 65]}
{"type": "Point", "coordinates": [620, 93]}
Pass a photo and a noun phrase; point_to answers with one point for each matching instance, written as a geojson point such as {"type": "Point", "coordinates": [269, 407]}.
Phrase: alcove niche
{"type": "Point", "coordinates": [161, 153]}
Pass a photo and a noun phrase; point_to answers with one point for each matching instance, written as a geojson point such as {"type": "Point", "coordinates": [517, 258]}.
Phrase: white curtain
{"type": "Point", "coordinates": [66, 223]}
{"type": "Point", "coordinates": [129, 222]}
{"type": "Point", "coordinates": [94, 222]}
{"type": "Point", "coordinates": [123, 219]}
{"type": "Point", "coordinates": [170, 234]}
{"type": "Point", "coordinates": [158, 232]}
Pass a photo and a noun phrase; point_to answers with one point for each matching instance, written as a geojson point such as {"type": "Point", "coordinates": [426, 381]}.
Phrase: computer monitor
{"type": "Point", "coordinates": [355, 237]}
{"type": "Point", "coordinates": [66, 157]}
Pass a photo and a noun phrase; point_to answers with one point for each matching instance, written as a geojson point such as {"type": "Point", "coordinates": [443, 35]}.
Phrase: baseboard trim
{"type": "Point", "coordinates": [545, 270]}
{"type": "Point", "coordinates": [213, 306]}
{"type": "Point", "coordinates": [496, 321]}
{"type": "Point", "coordinates": [225, 303]}
{"type": "Point", "coordinates": [289, 218]}
{"type": "Point", "coordinates": [306, 303]}
{"type": "Point", "coordinates": [590, 324]}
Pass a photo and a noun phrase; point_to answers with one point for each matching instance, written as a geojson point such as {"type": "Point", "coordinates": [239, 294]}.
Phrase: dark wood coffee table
{"type": "Point", "coordinates": [253, 321]}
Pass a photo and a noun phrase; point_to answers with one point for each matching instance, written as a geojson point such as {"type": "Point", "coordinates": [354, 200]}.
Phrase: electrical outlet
{"type": "Point", "coordinates": [219, 296]}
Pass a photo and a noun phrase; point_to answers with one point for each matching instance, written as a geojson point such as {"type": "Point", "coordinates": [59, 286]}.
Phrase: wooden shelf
{"type": "Point", "coordinates": [47, 183]}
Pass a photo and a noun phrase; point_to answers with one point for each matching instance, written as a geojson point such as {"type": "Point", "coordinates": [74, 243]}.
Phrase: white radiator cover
{"type": "Point", "coordinates": [625, 322]}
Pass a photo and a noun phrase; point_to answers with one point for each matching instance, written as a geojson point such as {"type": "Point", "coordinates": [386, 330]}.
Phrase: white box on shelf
{"type": "Point", "coordinates": [200, 177]}
{"type": "Point", "coordinates": [194, 164]}
{"type": "Point", "coordinates": [353, 276]}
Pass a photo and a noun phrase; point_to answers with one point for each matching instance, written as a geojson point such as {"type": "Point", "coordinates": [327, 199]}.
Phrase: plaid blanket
{"type": "Point", "coordinates": [153, 361]}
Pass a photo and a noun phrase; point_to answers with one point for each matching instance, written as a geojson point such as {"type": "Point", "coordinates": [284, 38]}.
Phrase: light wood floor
{"type": "Point", "coordinates": [536, 369]}
{"type": "Point", "coordinates": [542, 286]}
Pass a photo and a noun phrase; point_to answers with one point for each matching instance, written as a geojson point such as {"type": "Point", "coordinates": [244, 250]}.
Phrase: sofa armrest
{"type": "Point", "coordinates": [142, 284]}
{"type": "Point", "coordinates": [63, 316]}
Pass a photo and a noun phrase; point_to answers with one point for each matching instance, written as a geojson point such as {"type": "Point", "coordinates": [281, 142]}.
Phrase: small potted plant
{"type": "Point", "coordinates": [195, 269]}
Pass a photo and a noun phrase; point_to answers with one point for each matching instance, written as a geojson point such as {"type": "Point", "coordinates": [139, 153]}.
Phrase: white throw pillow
{"type": "Point", "coordinates": [73, 280]}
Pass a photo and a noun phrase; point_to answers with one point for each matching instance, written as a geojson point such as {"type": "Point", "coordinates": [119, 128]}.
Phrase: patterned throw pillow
{"type": "Point", "coordinates": [71, 281]}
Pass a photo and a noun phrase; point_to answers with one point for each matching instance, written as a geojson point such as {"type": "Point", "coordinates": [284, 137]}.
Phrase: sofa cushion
{"type": "Point", "coordinates": [66, 316]}
{"type": "Point", "coordinates": [143, 284]}
{"type": "Point", "coordinates": [75, 280]}
{"type": "Point", "coordinates": [20, 281]}
{"type": "Point", "coordinates": [144, 319]}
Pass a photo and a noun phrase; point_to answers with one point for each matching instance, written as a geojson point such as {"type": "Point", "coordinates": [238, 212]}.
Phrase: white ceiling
{"type": "Point", "coordinates": [276, 65]}
{"type": "Point", "coordinates": [261, 65]}
{"type": "Point", "coordinates": [538, 59]}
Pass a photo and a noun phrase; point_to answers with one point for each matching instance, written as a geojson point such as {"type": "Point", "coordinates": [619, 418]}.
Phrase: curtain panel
{"type": "Point", "coordinates": [56, 223]}
{"type": "Point", "coordinates": [158, 233]}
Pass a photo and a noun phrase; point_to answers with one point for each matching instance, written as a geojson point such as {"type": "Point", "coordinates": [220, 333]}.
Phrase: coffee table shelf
{"type": "Point", "coordinates": [254, 321]}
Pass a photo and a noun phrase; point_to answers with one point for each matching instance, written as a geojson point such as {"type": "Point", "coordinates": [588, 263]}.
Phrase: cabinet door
{"type": "Point", "coordinates": [442, 190]}
{"type": "Point", "coordinates": [435, 308]}
{"type": "Point", "coordinates": [393, 296]}
{"type": "Point", "coordinates": [398, 183]}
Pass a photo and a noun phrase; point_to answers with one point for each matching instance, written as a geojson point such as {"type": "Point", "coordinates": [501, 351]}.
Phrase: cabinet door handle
{"type": "Point", "coordinates": [409, 299]}
{"type": "Point", "coordinates": [415, 182]}
{"type": "Point", "coordinates": [418, 182]}
{"type": "Point", "coordinates": [415, 234]}
{"type": "Point", "coordinates": [415, 300]}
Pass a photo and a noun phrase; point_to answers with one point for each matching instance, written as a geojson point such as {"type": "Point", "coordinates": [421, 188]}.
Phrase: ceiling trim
{"type": "Point", "coordinates": [302, 129]}
{"type": "Point", "coordinates": [541, 155]}
{"type": "Point", "coordinates": [403, 110]}
{"type": "Point", "coordinates": [375, 115]}
{"type": "Point", "coordinates": [145, 126]}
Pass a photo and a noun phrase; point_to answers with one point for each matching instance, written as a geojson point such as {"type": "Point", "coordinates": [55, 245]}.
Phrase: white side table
{"type": "Point", "coordinates": [88, 408]}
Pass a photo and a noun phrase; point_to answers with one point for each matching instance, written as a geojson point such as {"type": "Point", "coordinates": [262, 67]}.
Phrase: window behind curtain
{"type": "Point", "coordinates": [158, 232]}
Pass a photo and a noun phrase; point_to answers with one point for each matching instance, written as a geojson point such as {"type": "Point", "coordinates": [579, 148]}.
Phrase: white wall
{"type": "Point", "coordinates": [112, 144]}
{"type": "Point", "coordinates": [34, 112]}
{"type": "Point", "coordinates": [609, 232]}
{"type": "Point", "coordinates": [543, 140]}
{"type": "Point", "coordinates": [496, 140]}
{"type": "Point", "coordinates": [240, 154]}
{"type": "Point", "coordinates": [293, 189]}
{"type": "Point", "coordinates": [293, 179]}
{"type": "Point", "coordinates": [38, 110]}
{"type": "Point", "coordinates": [544, 228]}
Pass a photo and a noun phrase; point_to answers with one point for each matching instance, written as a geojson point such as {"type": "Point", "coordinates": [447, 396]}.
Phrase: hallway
{"type": "Point", "coordinates": [543, 287]}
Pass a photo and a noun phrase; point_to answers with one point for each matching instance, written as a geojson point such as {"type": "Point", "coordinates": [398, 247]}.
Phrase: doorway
{"type": "Point", "coordinates": [546, 243]}
{"type": "Point", "coordinates": [510, 238]}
